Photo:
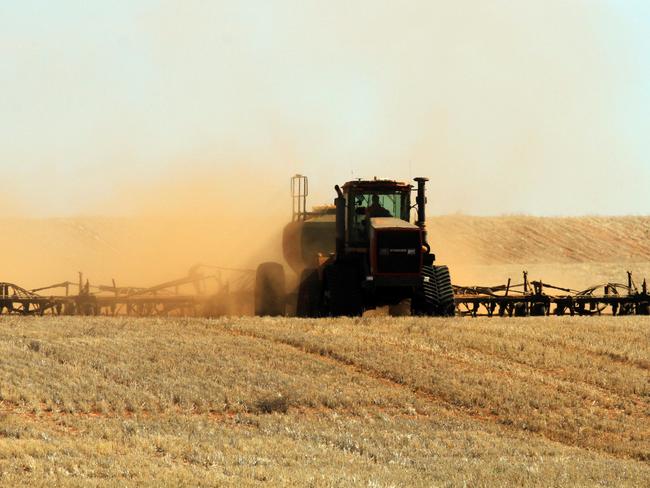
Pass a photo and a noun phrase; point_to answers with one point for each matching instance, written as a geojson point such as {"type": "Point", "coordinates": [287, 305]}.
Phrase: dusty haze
{"type": "Point", "coordinates": [167, 238]}
{"type": "Point", "coordinates": [509, 106]}
{"type": "Point", "coordinates": [157, 232]}
{"type": "Point", "coordinates": [140, 138]}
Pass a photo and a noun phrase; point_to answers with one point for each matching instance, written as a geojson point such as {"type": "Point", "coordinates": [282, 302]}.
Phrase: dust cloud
{"type": "Point", "coordinates": [156, 231]}
{"type": "Point", "coordinates": [232, 217]}
{"type": "Point", "coordinates": [501, 116]}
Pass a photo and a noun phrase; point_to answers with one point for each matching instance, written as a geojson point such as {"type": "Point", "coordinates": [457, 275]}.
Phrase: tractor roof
{"type": "Point", "coordinates": [376, 185]}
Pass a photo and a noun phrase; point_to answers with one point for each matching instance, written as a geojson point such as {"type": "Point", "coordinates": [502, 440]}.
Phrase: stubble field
{"type": "Point", "coordinates": [371, 402]}
{"type": "Point", "coordinates": [375, 401]}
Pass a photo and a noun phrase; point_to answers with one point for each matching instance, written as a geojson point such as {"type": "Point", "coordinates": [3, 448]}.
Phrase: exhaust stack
{"type": "Point", "coordinates": [339, 202]}
{"type": "Point", "coordinates": [421, 201]}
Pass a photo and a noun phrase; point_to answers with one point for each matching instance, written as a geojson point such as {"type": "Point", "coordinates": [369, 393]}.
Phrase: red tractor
{"type": "Point", "coordinates": [360, 253]}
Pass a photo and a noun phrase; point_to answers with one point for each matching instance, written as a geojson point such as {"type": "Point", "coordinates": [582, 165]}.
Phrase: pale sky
{"type": "Point", "coordinates": [509, 106]}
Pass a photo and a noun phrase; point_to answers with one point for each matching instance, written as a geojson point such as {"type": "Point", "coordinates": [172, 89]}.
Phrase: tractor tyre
{"type": "Point", "coordinates": [522, 310]}
{"type": "Point", "coordinates": [436, 296]}
{"type": "Point", "coordinates": [270, 296]}
{"type": "Point", "coordinates": [343, 295]}
{"type": "Point", "coordinates": [538, 309]}
{"type": "Point", "coordinates": [427, 298]}
{"type": "Point", "coordinates": [446, 304]}
{"type": "Point", "coordinates": [309, 294]}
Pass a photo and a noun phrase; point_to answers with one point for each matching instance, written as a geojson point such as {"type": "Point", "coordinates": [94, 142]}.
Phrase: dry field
{"type": "Point", "coordinates": [575, 252]}
{"type": "Point", "coordinates": [527, 239]}
{"type": "Point", "coordinates": [369, 402]}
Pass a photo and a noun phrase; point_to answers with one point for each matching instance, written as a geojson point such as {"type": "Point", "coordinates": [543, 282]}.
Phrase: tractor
{"type": "Point", "coordinates": [358, 254]}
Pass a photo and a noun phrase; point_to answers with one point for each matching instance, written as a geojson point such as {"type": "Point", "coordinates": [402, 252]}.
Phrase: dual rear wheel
{"type": "Point", "coordinates": [436, 296]}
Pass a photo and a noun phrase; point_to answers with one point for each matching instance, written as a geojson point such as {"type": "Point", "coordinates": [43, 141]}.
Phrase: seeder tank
{"type": "Point", "coordinates": [303, 240]}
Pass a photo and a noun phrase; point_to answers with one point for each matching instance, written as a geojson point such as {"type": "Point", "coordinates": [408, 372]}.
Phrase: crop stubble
{"type": "Point", "coordinates": [379, 401]}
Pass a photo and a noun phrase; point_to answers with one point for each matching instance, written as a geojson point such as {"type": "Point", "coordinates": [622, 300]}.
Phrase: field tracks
{"type": "Point", "coordinates": [616, 434]}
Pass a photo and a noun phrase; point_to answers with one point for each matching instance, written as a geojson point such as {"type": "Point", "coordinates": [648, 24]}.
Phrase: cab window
{"type": "Point", "coordinates": [375, 204]}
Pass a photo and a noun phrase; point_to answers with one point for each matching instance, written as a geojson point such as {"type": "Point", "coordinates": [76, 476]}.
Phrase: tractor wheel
{"type": "Point", "coordinates": [343, 294]}
{"type": "Point", "coordinates": [436, 296]}
{"type": "Point", "coordinates": [427, 298]}
{"type": "Point", "coordinates": [538, 309]}
{"type": "Point", "coordinates": [309, 294]}
{"type": "Point", "coordinates": [522, 310]}
{"type": "Point", "coordinates": [447, 305]}
{"type": "Point", "coordinates": [270, 290]}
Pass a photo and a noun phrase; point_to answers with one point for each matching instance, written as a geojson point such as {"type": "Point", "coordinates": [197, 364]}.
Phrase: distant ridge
{"type": "Point", "coordinates": [525, 239]}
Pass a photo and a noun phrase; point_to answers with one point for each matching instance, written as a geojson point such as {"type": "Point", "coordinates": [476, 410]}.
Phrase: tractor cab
{"type": "Point", "coordinates": [371, 199]}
